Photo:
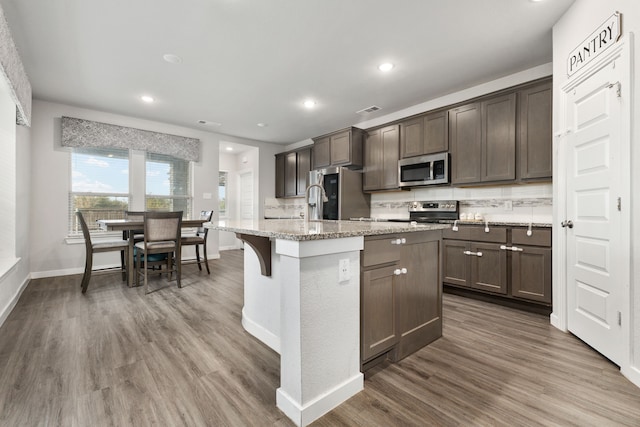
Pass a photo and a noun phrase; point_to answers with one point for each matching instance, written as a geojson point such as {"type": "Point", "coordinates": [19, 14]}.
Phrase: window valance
{"type": "Point", "coordinates": [87, 133]}
{"type": "Point", "coordinates": [12, 71]}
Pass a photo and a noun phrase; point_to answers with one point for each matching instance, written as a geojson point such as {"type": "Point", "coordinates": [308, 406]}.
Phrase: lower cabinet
{"type": "Point", "coordinates": [508, 262]}
{"type": "Point", "coordinates": [401, 295]}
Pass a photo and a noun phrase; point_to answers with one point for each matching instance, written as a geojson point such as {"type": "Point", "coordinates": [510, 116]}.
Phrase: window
{"type": "Point", "coordinates": [99, 185]}
{"type": "Point", "coordinates": [222, 194]}
{"type": "Point", "coordinates": [168, 184]}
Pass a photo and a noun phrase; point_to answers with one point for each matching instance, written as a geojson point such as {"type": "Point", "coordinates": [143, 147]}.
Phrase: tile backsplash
{"type": "Point", "coordinates": [509, 203]}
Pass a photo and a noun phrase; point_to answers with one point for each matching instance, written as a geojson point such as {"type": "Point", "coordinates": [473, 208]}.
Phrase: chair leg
{"type": "Point", "coordinates": [178, 262]}
{"type": "Point", "coordinates": [88, 265]}
{"type": "Point", "coordinates": [146, 284]}
{"type": "Point", "coordinates": [206, 260]}
{"type": "Point", "coordinates": [198, 257]}
{"type": "Point", "coordinates": [124, 272]}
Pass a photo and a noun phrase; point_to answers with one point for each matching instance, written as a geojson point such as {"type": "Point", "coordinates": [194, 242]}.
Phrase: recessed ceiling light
{"type": "Point", "coordinates": [147, 98]}
{"type": "Point", "coordinates": [387, 66]}
{"type": "Point", "coordinates": [229, 148]}
{"type": "Point", "coordinates": [309, 103]}
{"type": "Point", "coordinates": [171, 58]}
{"type": "Point", "coordinates": [262, 125]}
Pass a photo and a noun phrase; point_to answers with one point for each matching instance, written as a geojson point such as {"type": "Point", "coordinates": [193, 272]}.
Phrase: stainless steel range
{"type": "Point", "coordinates": [440, 210]}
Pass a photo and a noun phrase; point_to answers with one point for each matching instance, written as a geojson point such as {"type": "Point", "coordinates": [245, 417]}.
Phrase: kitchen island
{"type": "Point", "coordinates": [302, 299]}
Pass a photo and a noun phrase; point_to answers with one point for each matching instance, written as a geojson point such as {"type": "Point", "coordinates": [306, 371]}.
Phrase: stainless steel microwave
{"type": "Point", "coordinates": [424, 170]}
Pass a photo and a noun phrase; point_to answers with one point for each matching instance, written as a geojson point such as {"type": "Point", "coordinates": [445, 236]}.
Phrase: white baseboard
{"type": "Point", "coordinates": [230, 248]}
{"type": "Point", "coordinates": [632, 373]}
{"type": "Point", "coordinates": [303, 415]}
{"type": "Point", "coordinates": [263, 335]}
{"type": "Point", "coordinates": [6, 310]}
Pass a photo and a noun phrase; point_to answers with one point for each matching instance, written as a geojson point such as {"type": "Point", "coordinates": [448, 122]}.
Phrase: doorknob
{"type": "Point", "coordinates": [568, 223]}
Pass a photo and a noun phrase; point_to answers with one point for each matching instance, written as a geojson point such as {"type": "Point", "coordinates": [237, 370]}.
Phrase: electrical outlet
{"type": "Point", "coordinates": [344, 270]}
{"type": "Point", "coordinates": [508, 205]}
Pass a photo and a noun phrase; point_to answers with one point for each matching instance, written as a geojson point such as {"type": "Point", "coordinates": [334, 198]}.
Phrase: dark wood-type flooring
{"type": "Point", "coordinates": [179, 357]}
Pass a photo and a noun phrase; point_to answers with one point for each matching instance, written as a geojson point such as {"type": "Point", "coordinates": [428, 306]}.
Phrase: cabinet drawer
{"type": "Point", "coordinates": [461, 234]}
{"type": "Point", "coordinates": [495, 234]}
{"type": "Point", "coordinates": [539, 237]}
{"type": "Point", "coordinates": [380, 251]}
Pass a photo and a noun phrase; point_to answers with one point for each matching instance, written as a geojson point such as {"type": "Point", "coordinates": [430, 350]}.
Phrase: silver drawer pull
{"type": "Point", "coordinates": [397, 272]}
{"type": "Point", "coordinates": [404, 270]}
{"type": "Point", "coordinates": [472, 253]}
{"type": "Point", "coordinates": [396, 242]}
{"type": "Point", "coordinates": [511, 248]}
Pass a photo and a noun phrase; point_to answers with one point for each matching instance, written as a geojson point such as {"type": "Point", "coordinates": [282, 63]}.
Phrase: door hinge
{"type": "Point", "coordinates": [619, 204]}
{"type": "Point", "coordinates": [619, 319]}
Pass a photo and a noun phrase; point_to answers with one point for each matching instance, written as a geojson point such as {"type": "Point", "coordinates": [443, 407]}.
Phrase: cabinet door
{"type": "Point", "coordinates": [304, 166]}
{"type": "Point", "coordinates": [419, 295]}
{"type": "Point", "coordinates": [488, 267]}
{"type": "Point", "coordinates": [455, 263]}
{"type": "Point", "coordinates": [531, 274]}
{"type": "Point", "coordinates": [390, 137]}
{"type": "Point", "coordinates": [499, 138]}
{"type": "Point", "coordinates": [341, 148]}
{"type": "Point", "coordinates": [378, 314]}
{"type": "Point", "coordinates": [411, 138]}
{"type": "Point", "coordinates": [372, 168]}
{"type": "Point", "coordinates": [465, 143]}
{"type": "Point", "coordinates": [535, 132]}
{"type": "Point", "coordinates": [290, 175]}
{"type": "Point", "coordinates": [280, 162]}
{"type": "Point", "coordinates": [321, 153]}
{"type": "Point", "coordinates": [436, 132]}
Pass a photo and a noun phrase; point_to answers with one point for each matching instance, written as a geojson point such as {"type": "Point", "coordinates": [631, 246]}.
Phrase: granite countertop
{"type": "Point", "coordinates": [297, 229]}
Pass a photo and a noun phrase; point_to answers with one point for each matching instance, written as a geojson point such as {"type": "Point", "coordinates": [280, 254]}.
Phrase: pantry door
{"type": "Point", "coordinates": [597, 252]}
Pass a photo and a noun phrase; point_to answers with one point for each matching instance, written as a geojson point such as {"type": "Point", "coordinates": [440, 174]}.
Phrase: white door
{"type": "Point", "coordinates": [596, 256]}
{"type": "Point", "coordinates": [246, 195]}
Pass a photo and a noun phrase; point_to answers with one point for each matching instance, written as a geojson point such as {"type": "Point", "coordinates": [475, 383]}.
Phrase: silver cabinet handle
{"type": "Point", "coordinates": [511, 248]}
{"type": "Point", "coordinates": [472, 253]}
{"type": "Point", "coordinates": [404, 270]}
{"type": "Point", "coordinates": [568, 223]}
{"type": "Point", "coordinates": [397, 272]}
{"type": "Point", "coordinates": [403, 241]}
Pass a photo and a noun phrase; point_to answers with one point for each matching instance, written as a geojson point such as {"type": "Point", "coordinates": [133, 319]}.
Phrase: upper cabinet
{"type": "Point", "coordinates": [498, 139]}
{"type": "Point", "coordinates": [465, 126]}
{"type": "Point", "coordinates": [341, 148]}
{"type": "Point", "coordinates": [425, 134]}
{"type": "Point", "coordinates": [380, 169]}
{"type": "Point", "coordinates": [535, 132]}
{"type": "Point", "coordinates": [504, 138]}
{"type": "Point", "coordinates": [292, 171]}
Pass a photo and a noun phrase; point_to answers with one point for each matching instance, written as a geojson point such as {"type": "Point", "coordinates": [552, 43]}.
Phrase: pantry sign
{"type": "Point", "coordinates": [605, 36]}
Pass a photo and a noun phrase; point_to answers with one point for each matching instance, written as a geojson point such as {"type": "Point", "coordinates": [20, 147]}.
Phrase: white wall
{"type": "Point", "coordinates": [577, 23]}
{"type": "Point", "coordinates": [51, 255]}
{"type": "Point", "coordinates": [15, 280]}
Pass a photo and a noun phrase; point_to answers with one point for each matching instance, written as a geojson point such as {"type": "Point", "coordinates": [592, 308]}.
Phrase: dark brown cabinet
{"type": "Point", "coordinates": [292, 169]}
{"type": "Point", "coordinates": [535, 105]}
{"type": "Point", "coordinates": [401, 294]}
{"type": "Point", "coordinates": [341, 148]}
{"type": "Point", "coordinates": [477, 261]}
{"type": "Point", "coordinates": [426, 134]}
{"type": "Point", "coordinates": [531, 265]}
{"type": "Point", "coordinates": [380, 166]}
{"type": "Point", "coordinates": [499, 139]}
{"type": "Point", "coordinates": [465, 125]}
{"type": "Point", "coordinates": [506, 261]}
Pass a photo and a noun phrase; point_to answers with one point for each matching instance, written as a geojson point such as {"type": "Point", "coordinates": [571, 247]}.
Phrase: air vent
{"type": "Point", "coordinates": [208, 123]}
{"type": "Point", "coordinates": [368, 109]}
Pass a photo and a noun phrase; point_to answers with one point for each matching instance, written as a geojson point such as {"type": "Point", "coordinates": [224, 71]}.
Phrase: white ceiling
{"type": "Point", "coordinates": [255, 61]}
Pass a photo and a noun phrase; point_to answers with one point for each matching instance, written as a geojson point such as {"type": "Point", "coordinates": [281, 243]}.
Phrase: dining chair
{"type": "Point", "coordinates": [200, 239]}
{"type": "Point", "coordinates": [94, 247]}
{"type": "Point", "coordinates": [162, 232]}
{"type": "Point", "coordinates": [136, 234]}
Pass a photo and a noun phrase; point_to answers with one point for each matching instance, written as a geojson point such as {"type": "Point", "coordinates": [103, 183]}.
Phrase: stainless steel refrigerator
{"type": "Point", "coordinates": [343, 188]}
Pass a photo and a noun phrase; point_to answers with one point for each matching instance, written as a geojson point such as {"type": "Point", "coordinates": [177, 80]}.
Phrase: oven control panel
{"type": "Point", "coordinates": [435, 206]}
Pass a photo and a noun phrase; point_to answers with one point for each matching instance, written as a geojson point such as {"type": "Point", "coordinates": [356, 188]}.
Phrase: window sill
{"type": "Point", "coordinates": [7, 265]}
{"type": "Point", "coordinates": [79, 240]}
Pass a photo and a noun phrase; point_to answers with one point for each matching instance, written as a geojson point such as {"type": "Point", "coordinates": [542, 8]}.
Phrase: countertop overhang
{"type": "Point", "coordinates": [300, 230]}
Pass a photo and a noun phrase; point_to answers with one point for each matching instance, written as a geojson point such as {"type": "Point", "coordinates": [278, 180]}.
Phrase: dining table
{"type": "Point", "coordinates": [137, 224]}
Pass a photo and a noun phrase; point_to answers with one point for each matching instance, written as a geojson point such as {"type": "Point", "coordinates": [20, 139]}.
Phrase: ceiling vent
{"type": "Point", "coordinates": [208, 123]}
{"type": "Point", "coordinates": [368, 109]}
